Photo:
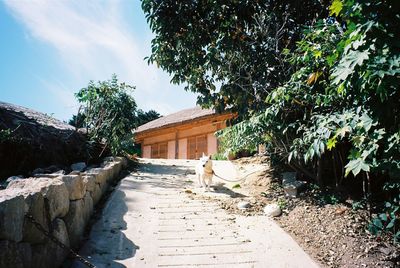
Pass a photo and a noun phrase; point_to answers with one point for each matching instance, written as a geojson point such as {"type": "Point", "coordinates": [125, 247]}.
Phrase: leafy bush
{"type": "Point", "coordinates": [339, 109]}
{"type": "Point", "coordinates": [109, 113]}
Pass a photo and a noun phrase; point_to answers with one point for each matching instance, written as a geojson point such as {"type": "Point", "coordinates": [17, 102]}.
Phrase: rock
{"type": "Point", "coordinates": [88, 208]}
{"type": "Point", "coordinates": [243, 205]}
{"type": "Point", "coordinates": [10, 179]}
{"type": "Point", "coordinates": [75, 185]}
{"type": "Point", "coordinates": [90, 181]}
{"type": "Point", "coordinates": [36, 208]}
{"type": "Point", "coordinates": [288, 177]}
{"type": "Point", "coordinates": [272, 210]}
{"type": "Point", "coordinates": [52, 169]}
{"type": "Point", "coordinates": [77, 218]}
{"type": "Point", "coordinates": [54, 191]}
{"type": "Point", "coordinates": [12, 215]}
{"type": "Point", "coordinates": [59, 172]}
{"type": "Point", "coordinates": [58, 254]}
{"type": "Point", "coordinates": [15, 255]}
{"type": "Point", "coordinates": [122, 160]}
{"type": "Point", "coordinates": [75, 222]}
{"type": "Point", "coordinates": [292, 189]}
{"type": "Point", "coordinates": [50, 254]}
{"type": "Point", "coordinates": [46, 175]}
{"type": "Point", "coordinates": [386, 251]}
{"type": "Point", "coordinates": [38, 171]}
{"type": "Point", "coordinates": [99, 173]}
{"type": "Point", "coordinates": [81, 166]}
{"type": "Point", "coordinates": [96, 194]}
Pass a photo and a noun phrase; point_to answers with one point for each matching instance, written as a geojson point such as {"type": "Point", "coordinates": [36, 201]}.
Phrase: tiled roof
{"type": "Point", "coordinates": [176, 118]}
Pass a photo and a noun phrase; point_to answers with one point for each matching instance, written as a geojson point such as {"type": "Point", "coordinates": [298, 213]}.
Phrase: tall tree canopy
{"type": "Point", "coordinates": [231, 52]}
{"type": "Point", "coordinates": [109, 112]}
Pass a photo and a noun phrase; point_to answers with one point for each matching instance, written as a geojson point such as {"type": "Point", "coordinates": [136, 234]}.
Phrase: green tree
{"type": "Point", "coordinates": [77, 120]}
{"type": "Point", "coordinates": [110, 112]}
{"type": "Point", "coordinates": [144, 117]}
{"type": "Point", "coordinates": [228, 51]}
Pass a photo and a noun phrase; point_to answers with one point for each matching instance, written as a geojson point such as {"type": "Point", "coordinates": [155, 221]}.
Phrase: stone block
{"type": "Point", "coordinates": [12, 214]}
{"type": "Point", "coordinates": [54, 191]}
{"type": "Point", "coordinates": [75, 222]}
{"type": "Point", "coordinates": [99, 173]}
{"type": "Point", "coordinates": [81, 166]}
{"type": "Point", "coordinates": [288, 177]}
{"type": "Point", "coordinates": [292, 189]}
{"type": "Point", "coordinates": [88, 207]}
{"type": "Point", "coordinates": [50, 254]}
{"type": "Point", "coordinates": [35, 202]}
{"type": "Point", "coordinates": [15, 255]}
{"type": "Point", "coordinates": [75, 185]}
{"type": "Point", "coordinates": [90, 182]}
{"type": "Point", "coordinates": [77, 218]}
{"type": "Point", "coordinates": [96, 194]}
{"type": "Point", "coordinates": [272, 210]}
{"type": "Point", "coordinates": [122, 160]}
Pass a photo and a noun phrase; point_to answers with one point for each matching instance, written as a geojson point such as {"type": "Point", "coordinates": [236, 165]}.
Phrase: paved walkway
{"type": "Point", "coordinates": [150, 221]}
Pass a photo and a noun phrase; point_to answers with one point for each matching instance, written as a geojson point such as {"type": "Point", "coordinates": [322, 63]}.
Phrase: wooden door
{"type": "Point", "coordinates": [196, 146]}
{"type": "Point", "coordinates": [159, 150]}
{"type": "Point", "coordinates": [163, 150]}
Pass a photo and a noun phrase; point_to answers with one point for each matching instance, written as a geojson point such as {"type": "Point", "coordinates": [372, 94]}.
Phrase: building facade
{"type": "Point", "coordinates": [183, 135]}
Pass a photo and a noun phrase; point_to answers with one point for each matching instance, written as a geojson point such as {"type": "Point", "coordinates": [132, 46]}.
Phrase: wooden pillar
{"type": "Point", "coordinates": [176, 144]}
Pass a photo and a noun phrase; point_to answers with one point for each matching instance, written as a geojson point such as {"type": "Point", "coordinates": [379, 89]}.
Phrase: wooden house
{"type": "Point", "coordinates": [186, 134]}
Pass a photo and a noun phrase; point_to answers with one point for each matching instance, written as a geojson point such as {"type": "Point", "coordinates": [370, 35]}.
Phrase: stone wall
{"type": "Point", "coordinates": [62, 204]}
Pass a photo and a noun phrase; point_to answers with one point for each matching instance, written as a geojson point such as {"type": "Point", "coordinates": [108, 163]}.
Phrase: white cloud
{"type": "Point", "coordinates": [63, 95]}
{"type": "Point", "coordinates": [93, 40]}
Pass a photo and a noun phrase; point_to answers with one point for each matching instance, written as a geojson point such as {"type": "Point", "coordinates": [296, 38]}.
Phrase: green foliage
{"type": "Point", "coordinates": [325, 98]}
{"type": "Point", "coordinates": [388, 221]}
{"type": "Point", "coordinates": [282, 203]}
{"type": "Point", "coordinates": [244, 136]}
{"type": "Point", "coordinates": [219, 156]}
{"type": "Point", "coordinates": [110, 113]}
{"type": "Point", "coordinates": [229, 52]}
{"type": "Point", "coordinates": [144, 117]}
{"type": "Point", "coordinates": [236, 186]}
{"type": "Point", "coordinates": [77, 120]}
{"type": "Point", "coordinates": [5, 134]}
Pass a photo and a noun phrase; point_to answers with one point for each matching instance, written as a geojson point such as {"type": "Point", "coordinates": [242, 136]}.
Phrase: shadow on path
{"type": "Point", "coordinates": [108, 243]}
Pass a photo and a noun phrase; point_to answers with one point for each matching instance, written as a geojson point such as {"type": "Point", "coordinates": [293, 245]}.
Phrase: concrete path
{"type": "Point", "coordinates": [150, 221]}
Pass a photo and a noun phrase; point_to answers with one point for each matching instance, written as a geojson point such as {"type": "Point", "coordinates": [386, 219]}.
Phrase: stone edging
{"type": "Point", "coordinates": [62, 204]}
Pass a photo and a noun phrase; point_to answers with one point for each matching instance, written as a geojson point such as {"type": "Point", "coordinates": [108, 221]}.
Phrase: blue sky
{"type": "Point", "coordinates": [52, 48]}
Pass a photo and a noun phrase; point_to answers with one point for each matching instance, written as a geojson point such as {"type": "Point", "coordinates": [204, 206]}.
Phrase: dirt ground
{"type": "Point", "coordinates": [334, 235]}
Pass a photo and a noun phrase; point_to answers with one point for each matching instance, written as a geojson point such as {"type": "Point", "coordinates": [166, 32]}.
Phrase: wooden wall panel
{"type": "Point", "coordinates": [212, 144]}
{"type": "Point", "coordinates": [171, 150]}
{"type": "Point", "coordinates": [182, 149]}
{"type": "Point", "coordinates": [146, 151]}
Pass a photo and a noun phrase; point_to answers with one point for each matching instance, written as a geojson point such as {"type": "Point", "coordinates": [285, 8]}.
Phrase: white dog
{"type": "Point", "coordinates": [204, 171]}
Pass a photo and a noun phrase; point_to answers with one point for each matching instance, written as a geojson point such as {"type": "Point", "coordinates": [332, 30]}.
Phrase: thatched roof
{"type": "Point", "coordinates": [176, 118]}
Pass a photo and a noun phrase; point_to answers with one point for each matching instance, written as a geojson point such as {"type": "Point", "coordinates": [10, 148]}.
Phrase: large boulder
{"type": "Point", "coordinates": [96, 194]}
{"type": "Point", "coordinates": [12, 214]}
{"type": "Point", "coordinates": [54, 191]}
{"type": "Point", "coordinates": [36, 208]}
{"type": "Point", "coordinates": [90, 182]}
{"type": "Point", "coordinates": [78, 215]}
{"type": "Point", "coordinates": [39, 140]}
{"type": "Point", "coordinates": [15, 255]}
{"type": "Point", "coordinates": [50, 254]}
{"type": "Point", "coordinates": [75, 185]}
